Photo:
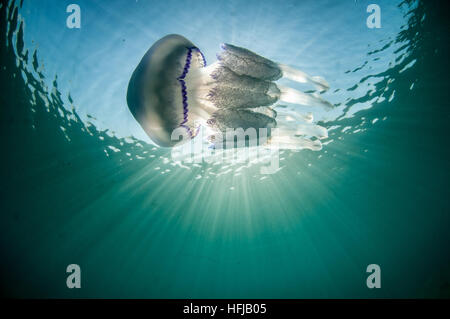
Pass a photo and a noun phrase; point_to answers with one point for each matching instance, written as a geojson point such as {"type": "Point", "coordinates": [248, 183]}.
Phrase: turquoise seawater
{"type": "Point", "coordinates": [82, 184]}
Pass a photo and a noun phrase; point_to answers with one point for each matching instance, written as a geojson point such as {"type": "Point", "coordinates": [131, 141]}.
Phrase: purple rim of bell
{"type": "Point", "coordinates": [180, 79]}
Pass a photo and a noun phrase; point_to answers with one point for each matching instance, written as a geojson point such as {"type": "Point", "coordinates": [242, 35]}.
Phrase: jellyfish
{"type": "Point", "coordinates": [173, 88]}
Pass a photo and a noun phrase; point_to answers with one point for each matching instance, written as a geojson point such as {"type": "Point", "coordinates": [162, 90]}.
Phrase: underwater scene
{"type": "Point", "coordinates": [115, 182]}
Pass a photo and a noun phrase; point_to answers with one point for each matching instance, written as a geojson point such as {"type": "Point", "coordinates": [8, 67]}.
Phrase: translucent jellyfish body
{"type": "Point", "coordinates": [173, 88]}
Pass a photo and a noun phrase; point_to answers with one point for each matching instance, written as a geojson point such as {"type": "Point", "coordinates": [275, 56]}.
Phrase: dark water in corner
{"type": "Point", "coordinates": [74, 192]}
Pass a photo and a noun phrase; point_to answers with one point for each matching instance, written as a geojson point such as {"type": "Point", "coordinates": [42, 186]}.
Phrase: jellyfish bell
{"type": "Point", "coordinates": [154, 94]}
{"type": "Point", "coordinates": [172, 91]}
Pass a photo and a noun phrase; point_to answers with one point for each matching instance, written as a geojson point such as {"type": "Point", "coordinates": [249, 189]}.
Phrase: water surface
{"type": "Point", "coordinates": [81, 182]}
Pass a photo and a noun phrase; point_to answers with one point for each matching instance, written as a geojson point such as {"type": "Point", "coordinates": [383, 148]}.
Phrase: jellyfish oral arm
{"type": "Point", "coordinates": [295, 117]}
{"type": "Point", "coordinates": [301, 77]}
{"type": "Point", "coordinates": [291, 95]}
{"type": "Point", "coordinates": [294, 74]}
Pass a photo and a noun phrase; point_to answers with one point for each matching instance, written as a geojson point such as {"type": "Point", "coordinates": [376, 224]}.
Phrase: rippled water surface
{"type": "Point", "coordinates": [82, 183]}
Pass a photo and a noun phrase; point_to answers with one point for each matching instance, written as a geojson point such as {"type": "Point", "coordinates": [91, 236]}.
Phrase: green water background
{"type": "Point", "coordinates": [138, 234]}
